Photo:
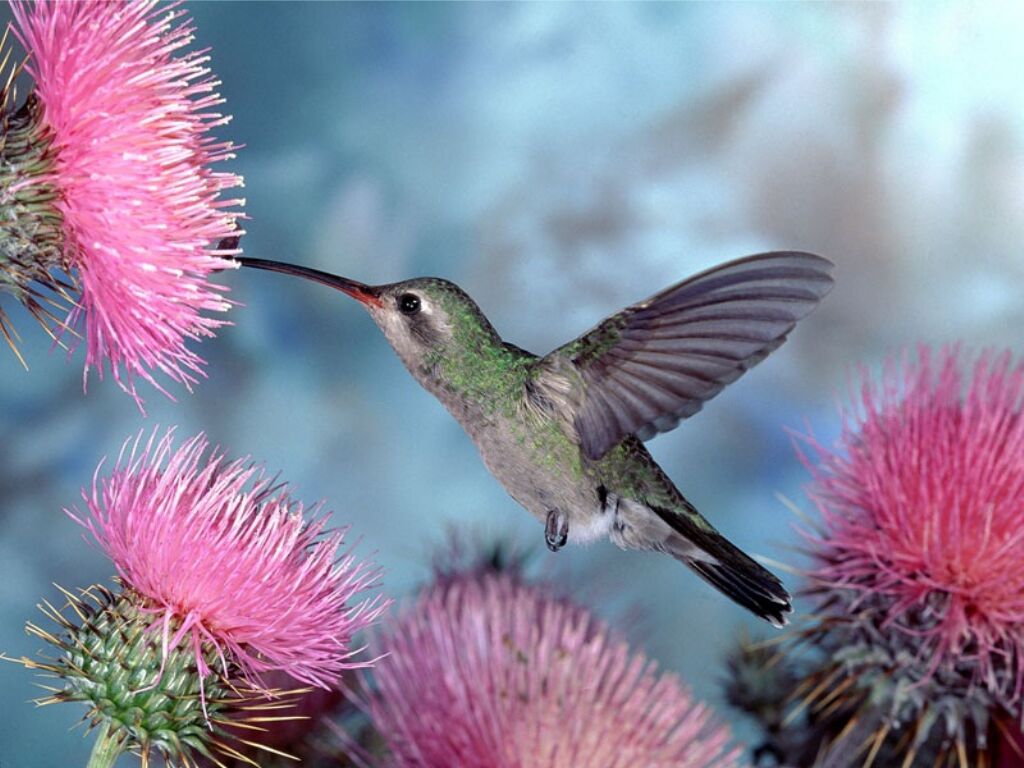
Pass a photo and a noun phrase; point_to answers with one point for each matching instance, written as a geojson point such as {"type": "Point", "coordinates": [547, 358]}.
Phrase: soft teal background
{"type": "Point", "coordinates": [559, 161]}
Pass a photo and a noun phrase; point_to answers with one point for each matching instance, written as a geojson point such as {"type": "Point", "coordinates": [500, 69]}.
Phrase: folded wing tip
{"type": "Point", "coordinates": [820, 269]}
{"type": "Point", "coordinates": [816, 258]}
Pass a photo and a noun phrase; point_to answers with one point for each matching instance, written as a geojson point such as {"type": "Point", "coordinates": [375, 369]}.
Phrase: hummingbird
{"type": "Point", "coordinates": [564, 433]}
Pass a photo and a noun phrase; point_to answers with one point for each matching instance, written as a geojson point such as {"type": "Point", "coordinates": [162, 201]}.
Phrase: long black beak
{"type": "Point", "coordinates": [364, 294]}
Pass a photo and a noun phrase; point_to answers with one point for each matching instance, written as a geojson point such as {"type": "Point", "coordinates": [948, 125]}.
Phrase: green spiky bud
{"type": "Point", "coordinates": [114, 663]}
{"type": "Point", "coordinates": [31, 226]}
{"type": "Point", "coordinates": [147, 698]}
{"type": "Point", "coordinates": [758, 676]}
{"type": "Point", "coordinates": [32, 252]}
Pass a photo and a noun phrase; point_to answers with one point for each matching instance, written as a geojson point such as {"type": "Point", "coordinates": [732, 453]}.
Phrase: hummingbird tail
{"type": "Point", "coordinates": [750, 585]}
{"type": "Point", "coordinates": [727, 568]}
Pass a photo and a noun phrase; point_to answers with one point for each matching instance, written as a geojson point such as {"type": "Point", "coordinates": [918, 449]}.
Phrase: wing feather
{"type": "Point", "coordinates": [659, 361]}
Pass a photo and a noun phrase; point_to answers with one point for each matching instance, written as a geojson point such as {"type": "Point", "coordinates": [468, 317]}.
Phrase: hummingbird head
{"type": "Point", "coordinates": [426, 320]}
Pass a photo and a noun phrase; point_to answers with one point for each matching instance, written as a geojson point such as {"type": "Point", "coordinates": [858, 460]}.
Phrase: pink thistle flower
{"type": "Point", "coordinates": [919, 559]}
{"type": "Point", "coordinates": [129, 113]}
{"type": "Point", "coordinates": [223, 556]}
{"type": "Point", "coordinates": [486, 672]}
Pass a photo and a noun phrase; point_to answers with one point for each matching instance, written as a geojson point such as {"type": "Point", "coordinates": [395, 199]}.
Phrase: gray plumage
{"type": "Point", "coordinates": [562, 433]}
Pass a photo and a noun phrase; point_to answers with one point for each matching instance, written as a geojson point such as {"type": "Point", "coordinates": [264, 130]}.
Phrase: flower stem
{"type": "Point", "coordinates": [106, 749]}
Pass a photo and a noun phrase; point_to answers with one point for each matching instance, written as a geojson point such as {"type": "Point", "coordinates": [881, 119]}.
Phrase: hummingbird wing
{"type": "Point", "coordinates": [656, 362]}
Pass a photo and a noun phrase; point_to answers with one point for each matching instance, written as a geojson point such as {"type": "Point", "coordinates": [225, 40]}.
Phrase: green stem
{"type": "Point", "coordinates": [106, 749]}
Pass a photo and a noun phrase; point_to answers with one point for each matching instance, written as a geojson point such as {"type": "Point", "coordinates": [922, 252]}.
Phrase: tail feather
{"type": "Point", "coordinates": [723, 565]}
{"type": "Point", "coordinates": [760, 593]}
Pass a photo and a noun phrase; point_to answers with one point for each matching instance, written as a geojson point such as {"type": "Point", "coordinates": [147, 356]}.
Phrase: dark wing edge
{"type": "Point", "coordinates": [726, 567]}
{"type": "Point", "coordinates": [657, 362]}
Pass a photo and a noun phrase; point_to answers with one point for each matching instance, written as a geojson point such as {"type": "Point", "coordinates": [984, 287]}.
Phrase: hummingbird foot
{"type": "Point", "coordinates": [556, 530]}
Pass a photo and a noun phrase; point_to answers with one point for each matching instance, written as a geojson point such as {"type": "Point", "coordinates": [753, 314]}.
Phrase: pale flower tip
{"type": "Point", "coordinates": [154, 100]}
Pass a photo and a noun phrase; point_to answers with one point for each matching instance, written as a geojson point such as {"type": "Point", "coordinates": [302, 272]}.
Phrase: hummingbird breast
{"type": "Point", "coordinates": [533, 455]}
{"type": "Point", "coordinates": [523, 427]}
{"type": "Point", "coordinates": [544, 473]}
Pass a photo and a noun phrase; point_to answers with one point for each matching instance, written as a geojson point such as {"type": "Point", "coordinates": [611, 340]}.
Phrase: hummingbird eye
{"type": "Point", "coordinates": [408, 303]}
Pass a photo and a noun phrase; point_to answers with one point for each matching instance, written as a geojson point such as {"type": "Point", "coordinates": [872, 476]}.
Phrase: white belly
{"type": "Point", "coordinates": [587, 528]}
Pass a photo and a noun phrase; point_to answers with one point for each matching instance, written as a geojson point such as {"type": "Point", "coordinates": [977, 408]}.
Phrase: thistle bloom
{"type": "Point", "coordinates": [224, 579]}
{"type": "Point", "coordinates": [485, 672]}
{"type": "Point", "coordinates": [225, 555]}
{"type": "Point", "coordinates": [116, 164]}
{"type": "Point", "coordinates": [331, 729]}
{"type": "Point", "coordinates": [919, 559]}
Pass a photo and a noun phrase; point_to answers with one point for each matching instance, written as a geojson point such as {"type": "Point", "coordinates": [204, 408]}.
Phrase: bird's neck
{"type": "Point", "coordinates": [477, 367]}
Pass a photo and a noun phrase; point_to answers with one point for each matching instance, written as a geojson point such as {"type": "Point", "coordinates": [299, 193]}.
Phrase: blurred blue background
{"type": "Point", "coordinates": [558, 161]}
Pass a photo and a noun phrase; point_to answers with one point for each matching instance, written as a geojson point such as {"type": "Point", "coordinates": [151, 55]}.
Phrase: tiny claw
{"type": "Point", "coordinates": [556, 530]}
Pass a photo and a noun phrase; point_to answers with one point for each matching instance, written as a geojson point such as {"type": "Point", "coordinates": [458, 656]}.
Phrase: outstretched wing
{"type": "Point", "coordinates": [657, 362]}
